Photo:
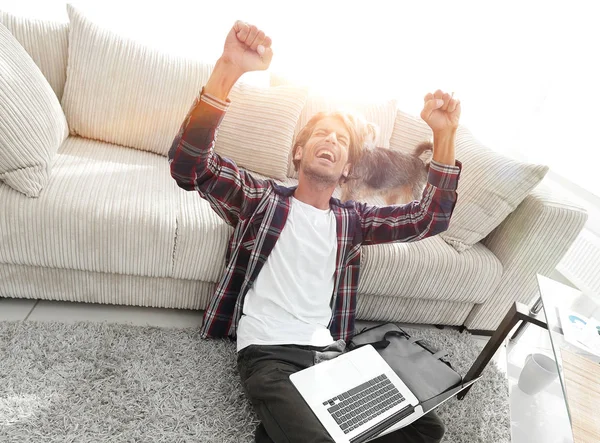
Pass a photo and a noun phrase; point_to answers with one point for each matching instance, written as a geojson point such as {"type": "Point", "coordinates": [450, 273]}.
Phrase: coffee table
{"type": "Point", "coordinates": [563, 411]}
{"type": "Point", "coordinates": [578, 366]}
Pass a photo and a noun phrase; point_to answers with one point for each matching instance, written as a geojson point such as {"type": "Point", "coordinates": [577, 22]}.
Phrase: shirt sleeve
{"type": "Point", "coordinates": [195, 165]}
{"type": "Point", "coordinates": [418, 219]}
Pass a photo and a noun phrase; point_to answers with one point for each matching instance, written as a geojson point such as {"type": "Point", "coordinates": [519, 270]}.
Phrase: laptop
{"type": "Point", "coordinates": [357, 396]}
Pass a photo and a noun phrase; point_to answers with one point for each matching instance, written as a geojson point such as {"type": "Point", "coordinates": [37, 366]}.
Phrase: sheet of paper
{"type": "Point", "coordinates": [581, 331]}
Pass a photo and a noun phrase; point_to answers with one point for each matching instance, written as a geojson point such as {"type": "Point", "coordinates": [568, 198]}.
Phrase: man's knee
{"type": "Point", "coordinates": [435, 427]}
{"type": "Point", "coordinates": [439, 430]}
{"type": "Point", "coordinates": [428, 429]}
{"type": "Point", "coordinates": [261, 436]}
{"type": "Point", "coordinates": [269, 380]}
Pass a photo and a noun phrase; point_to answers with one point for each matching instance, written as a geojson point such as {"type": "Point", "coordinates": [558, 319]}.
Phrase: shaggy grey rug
{"type": "Point", "coordinates": [102, 382]}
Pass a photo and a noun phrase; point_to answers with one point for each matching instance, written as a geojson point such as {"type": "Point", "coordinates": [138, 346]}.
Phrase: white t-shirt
{"type": "Point", "coordinates": [289, 300]}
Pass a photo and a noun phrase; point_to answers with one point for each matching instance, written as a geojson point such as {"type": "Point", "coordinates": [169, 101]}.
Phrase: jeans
{"type": "Point", "coordinates": [284, 416]}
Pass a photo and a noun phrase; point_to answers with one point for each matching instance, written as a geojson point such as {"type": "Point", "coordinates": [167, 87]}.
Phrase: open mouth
{"type": "Point", "coordinates": [326, 155]}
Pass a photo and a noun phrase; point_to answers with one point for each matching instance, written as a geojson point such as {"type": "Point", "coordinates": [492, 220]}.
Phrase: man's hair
{"type": "Point", "coordinates": [356, 126]}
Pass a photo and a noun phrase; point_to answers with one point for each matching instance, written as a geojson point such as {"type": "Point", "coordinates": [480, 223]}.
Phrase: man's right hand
{"type": "Point", "coordinates": [247, 48]}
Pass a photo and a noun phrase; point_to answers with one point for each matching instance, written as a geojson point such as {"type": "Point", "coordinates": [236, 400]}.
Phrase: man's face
{"type": "Point", "coordinates": [325, 154]}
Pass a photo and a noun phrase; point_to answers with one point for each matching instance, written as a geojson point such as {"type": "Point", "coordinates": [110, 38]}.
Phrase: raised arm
{"type": "Point", "coordinates": [431, 215]}
{"type": "Point", "coordinates": [193, 162]}
{"type": "Point", "coordinates": [418, 219]}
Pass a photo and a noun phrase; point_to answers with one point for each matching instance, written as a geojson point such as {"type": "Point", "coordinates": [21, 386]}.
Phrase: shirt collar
{"type": "Point", "coordinates": [285, 191]}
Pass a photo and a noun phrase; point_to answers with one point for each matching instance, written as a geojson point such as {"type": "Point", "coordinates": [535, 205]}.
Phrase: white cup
{"type": "Point", "coordinates": [539, 371]}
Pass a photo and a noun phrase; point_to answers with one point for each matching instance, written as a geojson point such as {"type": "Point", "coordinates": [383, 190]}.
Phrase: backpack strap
{"type": "Point", "coordinates": [440, 354]}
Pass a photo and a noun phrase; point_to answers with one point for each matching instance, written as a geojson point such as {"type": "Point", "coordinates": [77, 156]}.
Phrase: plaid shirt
{"type": "Point", "coordinates": [258, 209]}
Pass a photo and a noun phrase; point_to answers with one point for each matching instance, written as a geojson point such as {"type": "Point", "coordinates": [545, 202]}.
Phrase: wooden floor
{"type": "Point", "coordinates": [582, 380]}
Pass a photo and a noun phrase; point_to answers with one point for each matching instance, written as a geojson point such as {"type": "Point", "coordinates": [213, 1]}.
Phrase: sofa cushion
{"type": "Point", "coordinates": [259, 127]}
{"type": "Point", "coordinates": [122, 92]}
{"type": "Point", "coordinates": [429, 269]}
{"type": "Point", "coordinates": [202, 238]}
{"type": "Point", "coordinates": [46, 42]}
{"type": "Point", "coordinates": [491, 186]}
{"type": "Point", "coordinates": [32, 123]}
{"type": "Point", "coordinates": [408, 132]}
{"type": "Point", "coordinates": [382, 114]}
{"type": "Point", "coordinates": [106, 209]}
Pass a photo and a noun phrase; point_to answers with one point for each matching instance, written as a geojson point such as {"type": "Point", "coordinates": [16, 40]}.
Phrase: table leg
{"type": "Point", "coordinates": [533, 312]}
{"type": "Point", "coordinates": [518, 312]}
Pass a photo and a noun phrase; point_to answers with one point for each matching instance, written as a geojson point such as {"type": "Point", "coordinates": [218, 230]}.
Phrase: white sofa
{"type": "Point", "coordinates": [109, 224]}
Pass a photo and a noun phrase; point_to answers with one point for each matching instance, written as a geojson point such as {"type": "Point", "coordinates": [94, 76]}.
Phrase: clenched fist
{"type": "Point", "coordinates": [441, 112]}
{"type": "Point", "coordinates": [247, 48]}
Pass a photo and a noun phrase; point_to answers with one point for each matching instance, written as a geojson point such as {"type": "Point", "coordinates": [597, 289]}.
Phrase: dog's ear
{"type": "Point", "coordinates": [371, 133]}
{"type": "Point", "coordinates": [346, 170]}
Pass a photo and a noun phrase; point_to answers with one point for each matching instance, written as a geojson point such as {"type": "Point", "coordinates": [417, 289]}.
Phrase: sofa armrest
{"type": "Point", "coordinates": [532, 239]}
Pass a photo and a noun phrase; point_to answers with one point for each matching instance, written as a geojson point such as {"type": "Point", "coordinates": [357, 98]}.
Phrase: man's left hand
{"type": "Point", "coordinates": [441, 112]}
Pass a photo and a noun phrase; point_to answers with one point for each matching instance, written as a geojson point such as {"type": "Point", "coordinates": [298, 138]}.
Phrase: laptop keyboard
{"type": "Point", "coordinates": [357, 406]}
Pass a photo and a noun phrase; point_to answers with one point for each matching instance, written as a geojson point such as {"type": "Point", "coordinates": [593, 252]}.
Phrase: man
{"type": "Point", "coordinates": [289, 290]}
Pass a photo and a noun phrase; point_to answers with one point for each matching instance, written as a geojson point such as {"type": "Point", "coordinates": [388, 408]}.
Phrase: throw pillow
{"type": "Point", "coordinates": [46, 42]}
{"type": "Point", "coordinates": [259, 127]}
{"type": "Point", "coordinates": [123, 92]}
{"type": "Point", "coordinates": [491, 186]}
{"type": "Point", "coordinates": [408, 132]}
{"type": "Point", "coordinates": [382, 114]}
{"type": "Point", "coordinates": [32, 123]}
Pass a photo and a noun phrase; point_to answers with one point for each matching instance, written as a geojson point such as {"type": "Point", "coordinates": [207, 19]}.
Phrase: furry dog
{"type": "Point", "coordinates": [397, 176]}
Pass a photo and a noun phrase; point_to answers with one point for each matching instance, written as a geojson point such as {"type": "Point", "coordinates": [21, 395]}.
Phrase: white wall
{"type": "Point", "coordinates": [500, 58]}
